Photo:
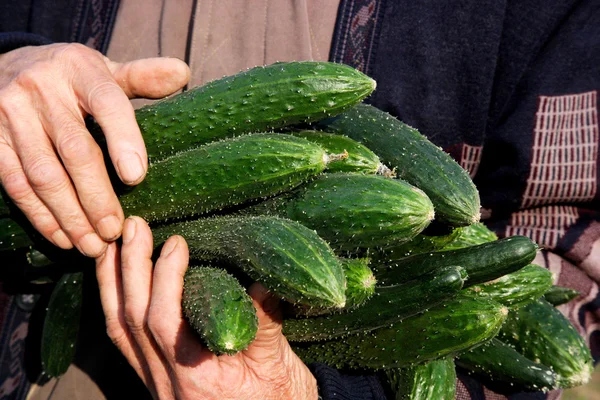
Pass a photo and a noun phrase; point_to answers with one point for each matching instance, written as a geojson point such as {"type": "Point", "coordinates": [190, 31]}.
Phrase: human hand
{"type": "Point", "coordinates": [50, 165]}
{"type": "Point", "coordinates": [143, 314]}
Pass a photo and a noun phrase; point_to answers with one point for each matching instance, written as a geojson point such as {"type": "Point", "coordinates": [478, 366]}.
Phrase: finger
{"type": "Point", "coordinates": [17, 186]}
{"type": "Point", "coordinates": [84, 162]}
{"type": "Point", "coordinates": [100, 96]}
{"type": "Point", "coordinates": [268, 337]}
{"type": "Point", "coordinates": [136, 273]}
{"type": "Point", "coordinates": [151, 78]}
{"type": "Point", "coordinates": [108, 274]}
{"type": "Point", "coordinates": [164, 315]}
{"type": "Point", "coordinates": [51, 184]}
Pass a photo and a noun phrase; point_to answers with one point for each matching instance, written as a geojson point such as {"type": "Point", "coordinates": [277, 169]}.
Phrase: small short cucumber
{"type": "Point", "coordinates": [287, 258]}
{"type": "Point", "coordinates": [500, 363]}
{"type": "Point", "coordinates": [558, 295]}
{"type": "Point", "coordinates": [414, 158]}
{"type": "Point", "coordinates": [219, 309]}
{"type": "Point", "coordinates": [471, 235]}
{"type": "Point", "coordinates": [517, 288]}
{"type": "Point", "coordinates": [541, 333]}
{"type": "Point", "coordinates": [257, 100]}
{"type": "Point", "coordinates": [224, 173]}
{"type": "Point", "coordinates": [360, 159]}
{"type": "Point", "coordinates": [483, 263]}
{"type": "Point", "coordinates": [445, 330]}
{"type": "Point", "coordinates": [388, 306]}
{"type": "Point", "coordinates": [353, 211]}
{"type": "Point", "coordinates": [433, 380]}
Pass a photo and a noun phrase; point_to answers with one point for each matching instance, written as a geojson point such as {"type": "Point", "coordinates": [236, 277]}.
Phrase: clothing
{"type": "Point", "coordinates": [509, 88]}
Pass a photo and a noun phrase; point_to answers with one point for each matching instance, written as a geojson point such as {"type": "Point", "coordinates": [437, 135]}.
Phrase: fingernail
{"type": "Point", "coordinates": [91, 245]}
{"type": "Point", "coordinates": [169, 247]}
{"type": "Point", "coordinates": [131, 169]}
{"type": "Point", "coordinates": [109, 227]}
{"type": "Point", "coordinates": [61, 240]}
{"type": "Point", "coordinates": [129, 230]}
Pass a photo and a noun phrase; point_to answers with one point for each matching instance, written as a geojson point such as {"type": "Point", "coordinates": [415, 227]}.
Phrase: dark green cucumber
{"type": "Point", "coordinates": [517, 288]}
{"type": "Point", "coordinates": [12, 235]}
{"type": "Point", "coordinates": [388, 306]}
{"type": "Point", "coordinates": [61, 324]}
{"type": "Point", "coordinates": [445, 330]}
{"type": "Point", "coordinates": [501, 364]}
{"type": "Point", "coordinates": [558, 295]}
{"type": "Point", "coordinates": [417, 245]}
{"type": "Point", "coordinates": [471, 235]}
{"type": "Point", "coordinates": [286, 257]}
{"type": "Point", "coordinates": [224, 173]}
{"type": "Point", "coordinates": [483, 262]}
{"type": "Point", "coordinates": [415, 160]}
{"type": "Point", "coordinates": [433, 380]}
{"type": "Point", "coordinates": [360, 159]}
{"type": "Point", "coordinates": [259, 99]}
{"type": "Point", "coordinates": [353, 211]}
{"type": "Point", "coordinates": [541, 333]}
{"type": "Point", "coordinates": [219, 309]}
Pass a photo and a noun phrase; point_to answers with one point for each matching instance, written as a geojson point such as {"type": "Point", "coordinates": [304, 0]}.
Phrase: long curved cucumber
{"type": "Point", "coordinates": [415, 160]}
{"type": "Point", "coordinates": [445, 330]}
{"type": "Point", "coordinates": [286, 257]}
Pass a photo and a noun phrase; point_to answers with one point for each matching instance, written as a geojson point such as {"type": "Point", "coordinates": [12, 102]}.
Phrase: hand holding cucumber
{"type": "Point", "coordinates": [50, 165]}
{"type": "Point", "coordinates": [142, 306]}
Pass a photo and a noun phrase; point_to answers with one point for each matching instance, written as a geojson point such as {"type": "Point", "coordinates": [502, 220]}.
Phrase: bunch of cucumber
{"type": "Point", "coordinates": [331, 219]}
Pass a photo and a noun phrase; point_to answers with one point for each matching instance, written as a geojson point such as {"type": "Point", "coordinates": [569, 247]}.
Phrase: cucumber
{"type": "Point", "coordinates": [286, 257]}
{"type": "Point", "coordinates": [558, 295]}
{"type": "Point", "coordinates": [61, 324]}
{"type": "Point", "coordinates": [541, 333]}
{"type": "Point", "coordinates": [360, 281]}
{"type": "Point", "coordinates": [415, 160]}
{"type": "Point", "coordinates": [517, 288]}
{"type": "Point", "coordinates": [501, 364]}
{"type": "Point", "coordinates": [360, 287]}
{"type": "Point", "coordinates": [12, 235]}
{"type": "Point", "coordinates": [417, 245]}
{"type": "Point", "coordinates": [471, 235]}
{"type": "Point", "coordinates": [388, 306]}
{"type": "Point", "coordinates": [483, 262]}
{"type": "Point", "coordinates": [360, 159]}
{"type": "Point", "coordinates": [352, 211]}
{"type": "Point", "coordinates": [433, 380]}
{"type": "Point", "coordinates": [259, 99]}
{"type": "Point", "coordinates": [445, 330]}
{"type": "Point", "coordinates": [219, 309]}
{"type": "Point", "coordinates": [224, 173]}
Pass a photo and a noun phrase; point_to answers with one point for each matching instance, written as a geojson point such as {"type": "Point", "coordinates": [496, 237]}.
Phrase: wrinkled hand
{"type": "Point", "coordinates": [49, 164]}
{"type": "Point", "coordinates": [143, 313]}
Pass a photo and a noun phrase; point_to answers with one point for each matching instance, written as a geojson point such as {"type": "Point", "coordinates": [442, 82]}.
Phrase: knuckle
{"type": "Point", "coordinates": [46, 175]}
{"type": "Point", "coordinates": [156, 325]}
{"type": "Point", "coordinates": [74, 52]}
{"type": "Point", "coordinates": [115, 332]}
{"type": "Point", "coordinates": [75, 144]}
{"type": "Point", "coordinates": [16, 185]}
{"type": "Point", "coordinates": [134, 318]}
{"type": "Point", "coordinates": [28, 79]}
{"type": "Point", "coordinates": [103, 98]}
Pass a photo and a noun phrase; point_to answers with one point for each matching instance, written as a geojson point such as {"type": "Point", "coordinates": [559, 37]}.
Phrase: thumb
{"type": "Point", "coordinates": [268, 337]}
{"type": "Point", "coordinates": [150, 78]}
